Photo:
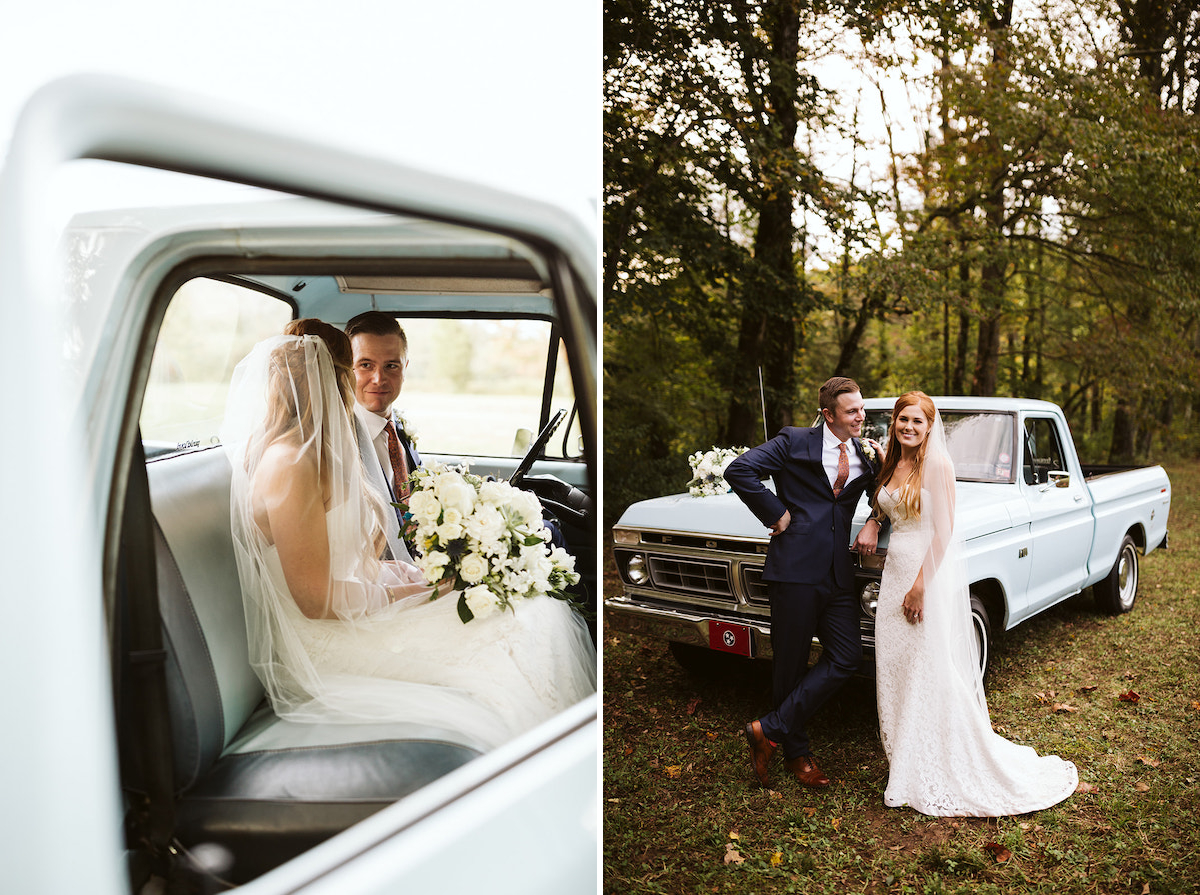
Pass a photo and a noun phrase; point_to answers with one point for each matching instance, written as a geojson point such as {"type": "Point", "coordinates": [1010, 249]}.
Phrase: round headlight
{"type": "Point", "coordinates": [636, 570]}
{"type": "Point", "coordinates": [868, 598]}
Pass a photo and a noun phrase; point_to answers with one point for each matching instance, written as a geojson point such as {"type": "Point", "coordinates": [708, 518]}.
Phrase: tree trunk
{"type": "Point", "coordinates": [771, 288]}
{"type": "Point", "coordinates": [1123, 437]}
{"type": "Point", "coordinates": [960, 354]}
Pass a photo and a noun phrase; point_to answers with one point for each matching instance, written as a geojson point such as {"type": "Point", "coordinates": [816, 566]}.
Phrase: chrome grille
{"type": "Point", "coordinates": [755, 587]}
{"type": "Point", "coordinates": [710, 579]}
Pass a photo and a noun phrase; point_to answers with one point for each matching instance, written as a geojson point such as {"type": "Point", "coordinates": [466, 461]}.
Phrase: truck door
{"type": "Point", "coordinates": [1060, 517]}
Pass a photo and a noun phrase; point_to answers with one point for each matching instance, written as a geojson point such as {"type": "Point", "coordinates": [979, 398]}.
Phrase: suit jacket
{"type": "Point", "coordinates": [815, 545]}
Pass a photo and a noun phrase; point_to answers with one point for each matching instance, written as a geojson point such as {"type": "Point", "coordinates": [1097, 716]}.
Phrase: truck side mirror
{"type": "Point", "coordinates": [1060, 479]}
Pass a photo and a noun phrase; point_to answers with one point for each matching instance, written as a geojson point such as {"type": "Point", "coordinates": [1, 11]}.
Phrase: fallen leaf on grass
{"type": "Point", "coordinates": [774, 795]}
{"type": "Point", "coordinates": [733, 834]}
{"type": "Point", "coordinates": [998, 851]}
{"type": "Point", "coordinates": [1141, 787]}
{"type": "Point", "coordinates": [895, 847]}
{"type": "Point", "coordinates": [629, 750]}
{"type": "Point", "coordinates": [732, 855]}
{"type": "Point", "coordinates": [692, 705]}
{"type": "Point", "coordinates": [776, 859]}
{"type": "Point", "coordinates": [1063, 707]}
{"type": "Point", "coordinates": [1129, 696]}
{"type": "Point", "coordinates": [1086, 688]}
{"type": "Point", "coordinates": [1146, 889]}
{"type": "Point", "coordinates": [712, 734]}
{"type": "Point", "coordinates": [674, 771]}
{"type": "Point", "coordinates": [1196, 704]}
{"type": "Point", "coordinates": [1087, 787]}
{"type": "Point", "coordinates": [1149, 762]}
{"type": "Point", "coordinates": [836, 822]}
{"type": "Point", "coordinates": [810, 811]}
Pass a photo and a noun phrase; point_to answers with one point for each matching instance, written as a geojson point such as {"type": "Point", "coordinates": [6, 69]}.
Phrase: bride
{"type": "Point", "coordinates": [336, 633]}
{"type": "Point", "coordinates": [943, 756]}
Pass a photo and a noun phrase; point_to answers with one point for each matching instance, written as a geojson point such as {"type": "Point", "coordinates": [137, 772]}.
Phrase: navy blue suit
{"type": "Point", "coordinates": [809, 574]}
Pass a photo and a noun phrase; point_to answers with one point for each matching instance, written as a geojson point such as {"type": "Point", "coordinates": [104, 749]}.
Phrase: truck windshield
{"type": "Point", "coordinates": [980, 444]}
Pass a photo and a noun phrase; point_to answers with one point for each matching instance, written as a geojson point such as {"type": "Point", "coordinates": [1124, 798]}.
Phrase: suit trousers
{"type": "Point", "coordinates": [798, 612]}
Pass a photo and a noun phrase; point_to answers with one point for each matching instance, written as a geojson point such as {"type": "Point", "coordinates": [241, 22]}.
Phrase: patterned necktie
{"type": "Point", "coordinates": [399, 463]}
{"type": "Point", "coordinates": [843, 472]}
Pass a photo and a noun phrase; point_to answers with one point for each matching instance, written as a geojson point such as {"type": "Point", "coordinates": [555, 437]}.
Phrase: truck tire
{"type": "Point", "coordinates": [1118, 591]}
{"type": "Point", "coordinates": [982, 623]}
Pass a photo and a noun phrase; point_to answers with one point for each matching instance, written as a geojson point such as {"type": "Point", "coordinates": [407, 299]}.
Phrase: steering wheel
{"type": "Point", "coordinates": [536, 448]}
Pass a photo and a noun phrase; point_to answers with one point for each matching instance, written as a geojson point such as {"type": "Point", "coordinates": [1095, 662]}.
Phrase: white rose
{"type": "Point", "coordinates": [481, 601]}
{"type": "Point", "coordinates": [473, 567]}
{"type": "Point", "coordinates": [457, 495]}
{"type": "Point", "coordinates": [449, 531]}
{"type": "Point", "coordinates": [526, 507]}
{"type": "Point", "coordinates": [432, 565]}
{"type": "Point", "coordinates": [486, 525]}
{"type": "Point", "coordinates": [424, 506]}
{"type": "Point", "coordinates": [494, 493]}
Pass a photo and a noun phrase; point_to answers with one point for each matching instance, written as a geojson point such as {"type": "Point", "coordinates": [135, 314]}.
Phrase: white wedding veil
{"type": "Point", "coordinates": [290, 441]}
{"type": "Point", "coordinates": [947, 586]}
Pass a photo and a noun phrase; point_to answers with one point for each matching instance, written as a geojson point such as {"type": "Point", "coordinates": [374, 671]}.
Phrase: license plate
{"type": "Point", "coordinates": [728, 637]}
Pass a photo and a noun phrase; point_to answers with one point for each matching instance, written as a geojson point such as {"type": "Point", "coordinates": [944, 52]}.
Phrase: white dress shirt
{"type": "Point", "coordinates": [376, 426]}
{"type": "Point", "coordinates": [829, 457]}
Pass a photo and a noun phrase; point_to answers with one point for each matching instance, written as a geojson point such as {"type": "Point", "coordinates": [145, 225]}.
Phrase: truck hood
{"type": "Point", "coordinates": [982, 508]}
{"type": "Point", "coordinates": [723, 515]}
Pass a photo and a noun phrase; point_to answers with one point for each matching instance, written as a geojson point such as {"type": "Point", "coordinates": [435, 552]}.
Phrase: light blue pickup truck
{"type": "Point", "coordinates": [1038, 525]}
{"type": "Point", "coordinates": [140, 754]}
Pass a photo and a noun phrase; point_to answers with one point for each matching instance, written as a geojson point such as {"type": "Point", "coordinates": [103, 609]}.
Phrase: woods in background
{"type": "Point", "coordinates": [970, 198]}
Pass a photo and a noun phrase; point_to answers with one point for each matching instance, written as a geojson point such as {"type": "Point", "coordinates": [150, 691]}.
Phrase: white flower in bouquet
{"type": "Point", "coordinates": [424, 506]}
{"type": "Point", "coordinates": [456, 495]}
{"type": "Point", "coordinates": [708, 470]}
{"type": "Point", "coordinates": [494, 493]}
{"type": "Point", "coordinates": [526, 508]}
{"type": "Point", "coordinates": [486, 539]}
{"type": "Point", "coordinates": [473, 567]}
{"type": "Point", "coordinates": [480, 600]}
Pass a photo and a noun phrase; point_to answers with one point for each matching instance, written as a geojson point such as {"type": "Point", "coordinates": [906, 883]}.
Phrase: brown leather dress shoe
{"type": "Point", "coordinates": [761, 750]}
{"type": "Point", "coordinates": [806, 771]}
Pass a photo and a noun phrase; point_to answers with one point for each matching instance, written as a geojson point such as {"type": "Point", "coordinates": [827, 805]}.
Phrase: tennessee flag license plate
{"type": "Point", "coordinates": [730, 638]}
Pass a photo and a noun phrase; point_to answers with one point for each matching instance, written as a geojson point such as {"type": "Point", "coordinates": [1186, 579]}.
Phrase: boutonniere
{"type": "Point", "coordinates": [406, 427]}
{"type": "Point", "coordinates": [868, 450]}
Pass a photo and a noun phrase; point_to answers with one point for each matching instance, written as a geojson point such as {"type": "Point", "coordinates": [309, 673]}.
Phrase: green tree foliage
{"type": "Point", "coordinates": [1040, 240]}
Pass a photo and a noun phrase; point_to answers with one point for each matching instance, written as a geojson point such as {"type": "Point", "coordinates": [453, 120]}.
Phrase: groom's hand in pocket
{"type": "Point", "coordinates": [782, 523]}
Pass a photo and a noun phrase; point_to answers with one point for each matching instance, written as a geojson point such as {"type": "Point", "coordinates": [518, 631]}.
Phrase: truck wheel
{"type": "Point", "coordinates": [1116, 593]}
{"type": "Point", "coordinates": [982, 624]}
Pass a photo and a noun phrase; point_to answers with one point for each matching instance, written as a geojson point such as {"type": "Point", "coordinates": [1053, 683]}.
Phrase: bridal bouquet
{"type": "Point", "coordinates": [485, 538]}
{"type": "Point", "coordinates": [708, 470]}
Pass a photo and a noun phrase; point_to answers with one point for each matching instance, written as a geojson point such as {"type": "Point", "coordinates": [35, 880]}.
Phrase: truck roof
{"type": "Point", "coordinates": [967, 402]}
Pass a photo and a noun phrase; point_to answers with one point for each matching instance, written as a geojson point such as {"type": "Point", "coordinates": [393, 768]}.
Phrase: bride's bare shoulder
{"type": "Point", "coordinates": [283, 465]}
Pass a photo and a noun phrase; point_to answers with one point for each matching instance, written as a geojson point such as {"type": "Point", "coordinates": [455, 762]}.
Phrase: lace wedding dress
{"type": "Point", "coordinates": [372, 659]}
{"type": "Point", "coordinates": [944, 758]}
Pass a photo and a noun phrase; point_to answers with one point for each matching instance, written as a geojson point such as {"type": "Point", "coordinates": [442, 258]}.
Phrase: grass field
{"type": "Point", "coordinates": [682, 813]}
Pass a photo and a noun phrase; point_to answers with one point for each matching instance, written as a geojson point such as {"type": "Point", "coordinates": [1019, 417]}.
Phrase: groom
{"type": "Point", "coordinates": [389, 455]}
{"type": "Point", "coordinates": [819, 473]}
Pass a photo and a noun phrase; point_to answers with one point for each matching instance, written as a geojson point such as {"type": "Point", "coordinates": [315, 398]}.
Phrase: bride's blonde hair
{"type": "Point", "coordinates": [910, 488]}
